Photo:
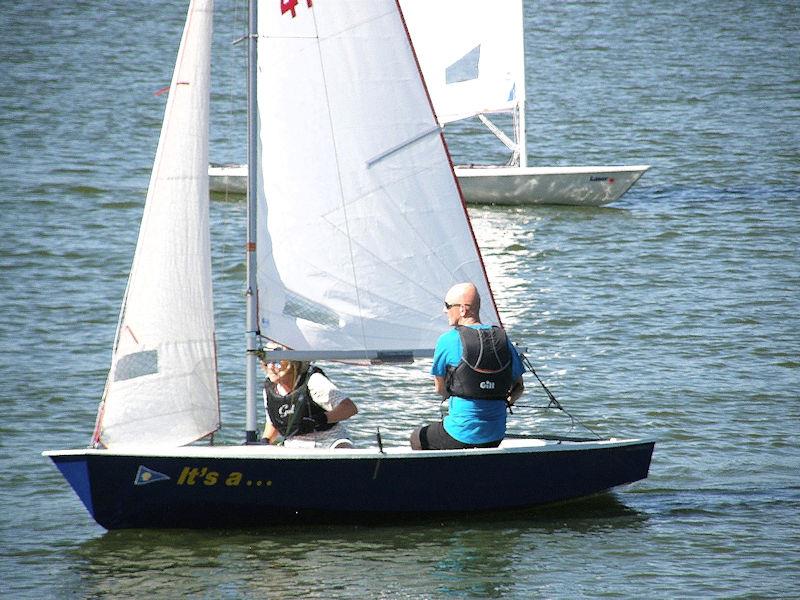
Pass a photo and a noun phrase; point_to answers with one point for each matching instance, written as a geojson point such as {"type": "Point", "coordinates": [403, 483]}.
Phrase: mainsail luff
{"type": "Point", "coordinates": [361, 226]}
{"type": "Point", "coordinates": [162, 385]}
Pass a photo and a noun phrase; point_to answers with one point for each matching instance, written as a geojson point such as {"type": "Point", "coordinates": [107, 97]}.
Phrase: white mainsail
{"type": "Point", "coordinates": [361, 225]}
{"type": "Point", "coordinates": [162, 386]}
{"type": "Point", "coordinates": [471, 53]}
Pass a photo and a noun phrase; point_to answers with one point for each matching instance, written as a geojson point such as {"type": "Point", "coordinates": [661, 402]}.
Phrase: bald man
{"type": "Point", "coordinates": [478, 369]}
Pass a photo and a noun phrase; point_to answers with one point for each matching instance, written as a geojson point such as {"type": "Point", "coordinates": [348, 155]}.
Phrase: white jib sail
{"type": "Point", "coordinates": [362, 228]}
{"type": "Point", "coordinates": [162, 386]}
{"type": "Point", "coordinates": [471, 52]}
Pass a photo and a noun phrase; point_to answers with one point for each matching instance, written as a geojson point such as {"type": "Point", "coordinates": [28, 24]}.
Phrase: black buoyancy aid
{"type": "Point", "coordinates": [485, 369]}
{"type": "Point", "coordinates": [287, 411]}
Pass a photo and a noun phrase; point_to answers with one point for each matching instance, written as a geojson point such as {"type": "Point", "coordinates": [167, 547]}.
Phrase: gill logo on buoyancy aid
{"type": "Point", "coordinates": [287, 411]}
{"type": "Point", "coordinates": [485, 369]}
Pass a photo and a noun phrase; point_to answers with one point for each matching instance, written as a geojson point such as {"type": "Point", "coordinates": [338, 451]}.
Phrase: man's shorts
{"type": "Point", "coordinates": [434, 437]}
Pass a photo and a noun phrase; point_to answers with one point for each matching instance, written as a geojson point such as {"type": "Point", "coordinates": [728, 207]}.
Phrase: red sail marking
{"type": "Point", "coordinates": [166, 88]}
{"type": "Point", "coordinates": [290, 5]}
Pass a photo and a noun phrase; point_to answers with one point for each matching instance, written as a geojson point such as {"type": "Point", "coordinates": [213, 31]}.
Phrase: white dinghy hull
{"type": "Point", "coordinates": [578, 186]}
{"type": "Point", "coordinates": [574, 186]}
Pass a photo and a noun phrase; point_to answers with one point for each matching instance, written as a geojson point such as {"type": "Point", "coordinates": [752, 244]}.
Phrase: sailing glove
{"type": "Point", "coordinates": [313, 423]}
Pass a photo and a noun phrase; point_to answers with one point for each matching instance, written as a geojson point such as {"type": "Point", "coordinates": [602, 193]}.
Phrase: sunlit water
{"type": "Point", "coordinates": [671, 314]}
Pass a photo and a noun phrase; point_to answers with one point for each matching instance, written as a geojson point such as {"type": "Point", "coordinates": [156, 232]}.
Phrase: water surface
{"type": "Point", "coordinates": [672, 313]}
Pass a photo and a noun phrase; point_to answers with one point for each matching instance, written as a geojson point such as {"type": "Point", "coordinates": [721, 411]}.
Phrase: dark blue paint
{"type": "Point", "coordinates": [332, 490]}
{"type": "Point", "coordinates": [75, 470]}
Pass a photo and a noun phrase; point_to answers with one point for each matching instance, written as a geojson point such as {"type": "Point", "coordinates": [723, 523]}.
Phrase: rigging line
{"type": "Point", "coordinates": [554, 403]}
{"type": "Point", "coordinates": [356, 287]}
{"type": "Point", "coordinates": [239, 19]}
{"type": "Point", "coordinates": [573, 422]}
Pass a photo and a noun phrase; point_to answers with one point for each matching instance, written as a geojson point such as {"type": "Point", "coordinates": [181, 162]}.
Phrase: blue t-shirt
{"type": "Point", "coordinates": [471, 421]}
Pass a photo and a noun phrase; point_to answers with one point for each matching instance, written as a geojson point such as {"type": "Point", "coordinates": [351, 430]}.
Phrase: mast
{"type": "Point", "coordinates": [519, 123]}
{"type": "Point", "coordinates": [521, 93]}
{"type": "Point", "coordinates": [251, 293]}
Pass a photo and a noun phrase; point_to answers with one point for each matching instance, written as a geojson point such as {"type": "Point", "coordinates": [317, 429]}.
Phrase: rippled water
{"type": "Point", "coordinates": [672, 313]}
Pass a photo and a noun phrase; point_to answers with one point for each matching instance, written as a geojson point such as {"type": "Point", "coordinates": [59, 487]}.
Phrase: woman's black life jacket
{"type": "Point", "coordinates": [287, 411]}
{"type": "Point", "coordinates": [484, 372]}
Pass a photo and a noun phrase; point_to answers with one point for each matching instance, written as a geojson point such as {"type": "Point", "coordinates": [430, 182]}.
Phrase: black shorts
{"type": "Point", "coordinates": [434, 437]}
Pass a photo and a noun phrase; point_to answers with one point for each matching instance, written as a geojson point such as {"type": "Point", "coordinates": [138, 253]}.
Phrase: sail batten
{"type": "Point", "coordinates": [402, 145]}
{"type": "Point", "coordinates": [373, 355]}
{"type": "Point", "coordinates": [162, 385]}
{"type": "Point", "coordinates": [361, 224]}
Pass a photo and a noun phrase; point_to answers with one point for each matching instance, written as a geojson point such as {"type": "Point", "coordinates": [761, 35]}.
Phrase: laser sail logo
{"type": "Point", "coordinates": [145, 476]}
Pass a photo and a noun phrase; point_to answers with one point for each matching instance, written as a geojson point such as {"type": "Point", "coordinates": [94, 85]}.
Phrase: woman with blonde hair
{"type": "Point", "coordinates": [303, 407]}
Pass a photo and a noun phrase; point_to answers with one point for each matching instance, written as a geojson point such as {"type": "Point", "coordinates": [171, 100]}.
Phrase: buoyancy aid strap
{"type": "Point", "coordinates": [484, 371]}
{"type": "Point", "coordinates": [485, 350]}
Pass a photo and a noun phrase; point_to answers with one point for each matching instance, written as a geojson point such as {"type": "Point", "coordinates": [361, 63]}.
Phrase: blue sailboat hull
{"type": "Point", "coordinates": [198, 487]}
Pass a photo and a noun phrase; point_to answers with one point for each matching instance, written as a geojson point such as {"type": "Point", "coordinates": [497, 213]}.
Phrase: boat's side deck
{"type": "Point", "coordinates": [509, 446]}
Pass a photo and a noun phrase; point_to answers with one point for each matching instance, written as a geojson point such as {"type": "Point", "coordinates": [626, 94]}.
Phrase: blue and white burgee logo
{"type": "Point", "coordinates": [145, 476]}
